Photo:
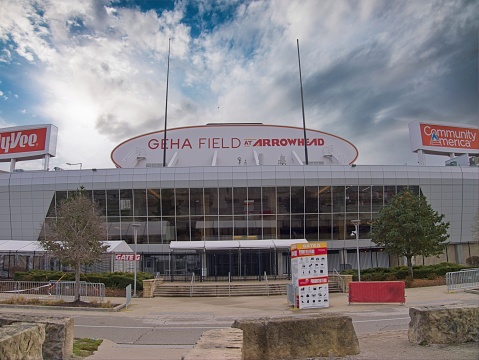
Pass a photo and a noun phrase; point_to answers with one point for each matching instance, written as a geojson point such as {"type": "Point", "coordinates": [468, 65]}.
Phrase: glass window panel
{"type": "Point", "coordinates": [339, 229]}
{"type": "Point", "coordinates": [269, 200]}
{"type": "Point", "coordinates": [99, 197]}
{"type": "Point", "coordinates": [283, 200]}
{"type": "Point", "coordinates": [225, 226]}
{"type": "Point", "coordinates": [196, 201]}
{"type": "Point", "coordinates": [284, 226]}
{"type": "Point", "coordinates": [240, 227]}
{"type": "Point", "coordinates": [297, 200]}
{"type": "Point", "coordinates": [338, 199]}
{"type": "Point", "coordinates": [297, 226]}
{"type": "Point", "coordinates": [365, 198]}
{"type": "Point", "coordinates": [254, 200]}
{"type": "Point", "coordinates": [154, 230]}
{"type": "Point", "coordinates": [211, 201]}
{"type": "Point", "coordinates": [197, 228]}
{"type": "Point", "coordinates": [311, 199]}
{"type": "Point", "coordinates": [167, 202]}
{"type": "Point", "coordinates": [325, 227]}
{"type": "Point", "coordinates": [325, 199]}
{"type": "Point", "coordinates": [225, 201]}
{"type": "Point", "coordinates": [183, 228]}
{"type": "Point", "coordinates": [377, 198]}
{"type": "Point", "coordinates": [126, 202]}
{"type": "Point", "coordinates": [311, 227]}
{"type": "Point", "coordinates": [139, 201]}
{"type": "Point", "coordinates": [211, 228]}
{"type": "Point", "coordinates": [240, 204]}
{"type": "Point", "coordinates": [414, 189]}
{"type": "Point", "coordinates": [351, 198]}
{"type": "Point", "coordinates": [269, 227]}
{"type": "Point", "coordinates": [153, 202]}
{"type": "Point", "coordinates": [168, 230]}
{"type": "Point", "coordinates": [60, 197]}
{"type": "Point", "coordinates": [389, 193]}
{"type": "Point", "coordinates": [113, 202]}
{"type": "Point", "coordinates": [182, 201]}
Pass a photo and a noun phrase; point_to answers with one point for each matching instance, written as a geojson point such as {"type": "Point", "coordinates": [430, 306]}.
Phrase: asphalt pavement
{"type": "Point", "coordinates": [374, 343]}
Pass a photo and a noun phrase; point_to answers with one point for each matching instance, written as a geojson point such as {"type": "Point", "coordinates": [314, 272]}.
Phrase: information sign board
{"type": "Point", "coordinates": [309, 264]}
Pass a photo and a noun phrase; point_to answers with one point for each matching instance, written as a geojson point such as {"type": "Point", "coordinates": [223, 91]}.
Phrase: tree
{"type": "Point", "coordinates": [409, 226]}
{"type": "Point", "coordinates": [76, 237]}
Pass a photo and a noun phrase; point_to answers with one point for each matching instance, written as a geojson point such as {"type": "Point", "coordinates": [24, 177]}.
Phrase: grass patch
{"type": "Point", "coordinates": [84, 347]}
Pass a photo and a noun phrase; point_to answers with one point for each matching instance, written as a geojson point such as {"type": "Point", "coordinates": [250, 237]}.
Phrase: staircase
{"type": "Point", "coordinates": [223, 289]}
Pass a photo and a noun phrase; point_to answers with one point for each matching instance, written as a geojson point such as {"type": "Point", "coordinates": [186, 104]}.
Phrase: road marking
{"type": "Point", "coordinates": [377, 320]}
{"type": "Point", "coordinates": [153, 327]}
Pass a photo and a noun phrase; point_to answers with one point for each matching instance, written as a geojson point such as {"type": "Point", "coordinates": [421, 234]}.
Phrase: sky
{"type": "Point", "coordinates": [97, 69]}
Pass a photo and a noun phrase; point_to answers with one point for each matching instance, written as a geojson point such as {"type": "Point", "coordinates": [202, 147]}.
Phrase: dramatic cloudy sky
{"type": "Point", "coordinates": [97, 69]}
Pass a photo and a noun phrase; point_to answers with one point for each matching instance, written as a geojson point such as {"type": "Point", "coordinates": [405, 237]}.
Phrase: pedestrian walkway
{"type": "Point", "coordinates": [229, 309]}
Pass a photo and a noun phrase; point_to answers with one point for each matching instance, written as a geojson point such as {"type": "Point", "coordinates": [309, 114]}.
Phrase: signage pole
{"type": "Point", "coordinates": [302, 107]}
{"type": "Point", "coordinates": [166, 105]}
{"type": "Point", "coordinates": [135, 237]}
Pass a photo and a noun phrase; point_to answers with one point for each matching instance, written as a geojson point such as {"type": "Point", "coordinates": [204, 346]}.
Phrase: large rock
{"type": "Point", "coordinates": [22, 341]}
{"type": "Point", "coordinates": [446, 324]}
{"type": "Point", "coordinates": [58, 333]}
{"type": "Point", "coordinates": [298, 337]}
{"type": "Point", "coordinates": [224, 344]}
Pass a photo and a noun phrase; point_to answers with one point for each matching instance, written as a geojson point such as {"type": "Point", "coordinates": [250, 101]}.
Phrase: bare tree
{"type": "Point", "coordinates": [76, 238]}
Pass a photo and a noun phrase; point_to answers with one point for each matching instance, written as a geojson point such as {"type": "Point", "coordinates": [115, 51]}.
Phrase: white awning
{"type": "Point", "coordinates": [280, 244]}
{"type": "Point", "coordinates": [118, 246]}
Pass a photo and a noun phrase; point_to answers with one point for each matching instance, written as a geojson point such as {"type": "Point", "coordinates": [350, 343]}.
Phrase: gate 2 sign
{"type": "Point", "coordinates": [127, 257]}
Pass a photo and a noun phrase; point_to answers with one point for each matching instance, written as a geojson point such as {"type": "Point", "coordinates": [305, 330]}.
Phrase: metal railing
{"type": "Point", "coordinates": [341, 282]}
{"type": "Point", "coordinates": [267, 283]}
{"type": "Point", "coordinates": [464, 279]}
{"type": "Point", "coordinates": [192, 284]}
{"type": "Point", "coordinates": [51, 290]}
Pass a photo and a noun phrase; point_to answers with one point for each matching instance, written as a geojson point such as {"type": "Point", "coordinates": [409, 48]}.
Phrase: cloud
{"type": "Point", "coordinates": [369, 67]}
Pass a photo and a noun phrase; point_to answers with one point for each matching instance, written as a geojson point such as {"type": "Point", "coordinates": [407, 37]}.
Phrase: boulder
{"type": "Point", "coordinates": [22, 340]}
{"type": "Point", "coordinates": [298, 337]}
{"type": "Point", "coordinates": [58, 333]}
{"type": "Point", "coordinates": [446, 324]}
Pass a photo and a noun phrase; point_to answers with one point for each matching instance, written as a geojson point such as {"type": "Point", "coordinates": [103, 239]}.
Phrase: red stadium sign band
{"type": "Point", "coordinates": [22, 141]}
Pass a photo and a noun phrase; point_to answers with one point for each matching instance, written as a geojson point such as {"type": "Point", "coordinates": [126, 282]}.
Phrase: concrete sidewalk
{"type": "Point", "coordinates": [375, 346]}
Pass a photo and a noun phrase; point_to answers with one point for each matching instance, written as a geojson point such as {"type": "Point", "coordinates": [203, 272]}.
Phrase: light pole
{"type": "Point", "coordinates": [71, 164]}
{"type": "Point", "coordinates": [356, 227]}
{"type": "Point", "coordinates": [135, 237]}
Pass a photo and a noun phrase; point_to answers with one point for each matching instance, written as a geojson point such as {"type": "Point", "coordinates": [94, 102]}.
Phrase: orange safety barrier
{"type": "Point", "coordinates": [377, 292]}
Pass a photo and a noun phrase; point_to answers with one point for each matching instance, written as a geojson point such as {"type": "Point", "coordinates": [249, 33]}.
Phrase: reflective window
{"type": "Point", "coordinates": [376, 198]}
{"type": "Point", "coordinates": [389, 193]}
{"type": "Point", "coordinates": [153, 198]}
{"type": "Point", "coordinates": [167, 202]}
{"type": "Point", "coordinates": [225, 201]}
{"type": "Point", "coordinates": [284, 227]}
{"type": "Point", "coordinates": [325, 227]}
{"type": "Point", "coordinates": [183, 228]}
{"type": "Point", "coordinates": [211, 201]}
{"type": "Point", "coordinates": [311, 199]}
{"type": "Point", "coordinates": [269, 227]}
{"type": "Point", "coordinates": [99, 197]}
{"type": "Point", "coordinates": [269, 200]}
{"type": "Point", "coordinates": [339, 199]}
{"type": "Point", "coordinates": [182, 202]}
{"type": "Point", "coordinates": [311, 227]}
{"type": "Point", "coordinates": [351, 198]}
{"type": "Point", "coordinates": [283, 198]}
{"type": "Point", "coordinates": [254, 200]}
{"type": "Point", "coordinates": [196, 202]}
{"type": "Point", "coordinates": [365, 198]}
{"type": "Point", "coordinates": [113, 202]}
{"type": "Point", "coordinates": [325, 199]}
{"type": "Point", "coordinates": [240, 204]}
{"type": "Point", "coordinates": [297, 199]}
{"type": "Point", "coordinates": [126, 202]}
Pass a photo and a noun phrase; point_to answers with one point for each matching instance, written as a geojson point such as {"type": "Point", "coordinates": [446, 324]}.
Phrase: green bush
{"type": "Point", "coordinates": [401, 272]}
{"type": "Point", "coordinates": [119, 280]}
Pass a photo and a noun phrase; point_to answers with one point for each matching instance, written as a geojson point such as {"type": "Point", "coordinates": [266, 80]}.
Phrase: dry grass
{"type": "Point", "coordinates": [20, 300]}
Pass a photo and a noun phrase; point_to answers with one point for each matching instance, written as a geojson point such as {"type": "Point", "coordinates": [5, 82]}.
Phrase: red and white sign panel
{"type": "Point", "coordinates": [28, 142]}
{"type": "Point", "coordinates": [127, 257]}
{"type": "Point", "coordinates": [309, 264]}
{"type": "Point", "coordinates": [439, 137]}
{"type": "Point", "coordinates": [233, 145]}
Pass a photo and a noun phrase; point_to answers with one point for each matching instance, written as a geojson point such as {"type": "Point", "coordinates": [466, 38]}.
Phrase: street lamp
{"type": "Point", "coordinates": [356, 227]}
{"type": "Point", "coordinates": [71, 164]}
{"type": "Point", "coordinates": [135, 227]}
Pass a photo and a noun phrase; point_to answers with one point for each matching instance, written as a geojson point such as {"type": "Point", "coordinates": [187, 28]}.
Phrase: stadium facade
{"type": "Point", "coordinates": [214, 214]}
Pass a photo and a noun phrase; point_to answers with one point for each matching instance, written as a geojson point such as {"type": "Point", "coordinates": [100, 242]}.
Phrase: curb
{"type": "Point", "coordinates": [73, 308]}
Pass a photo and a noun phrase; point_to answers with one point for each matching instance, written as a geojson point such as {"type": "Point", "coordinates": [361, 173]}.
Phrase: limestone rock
{"type": "Point", "coordinates": [298, 337]}
{"type": "Point", "coordinates": [447, 324]}
{"type": "Point", "coordinates": [221, 344]}
{"type": "Point", "coordinates": [22, 341]}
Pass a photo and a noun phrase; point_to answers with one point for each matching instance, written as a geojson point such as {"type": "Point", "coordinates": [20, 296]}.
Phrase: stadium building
{"type": "Point", "coordinates": [230, 199]}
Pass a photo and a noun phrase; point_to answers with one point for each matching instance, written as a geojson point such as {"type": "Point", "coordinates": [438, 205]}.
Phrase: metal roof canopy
{"type": "Point", "coordinates": [283, 244]}
{"type": "Point", "coordinates": [34, 246]}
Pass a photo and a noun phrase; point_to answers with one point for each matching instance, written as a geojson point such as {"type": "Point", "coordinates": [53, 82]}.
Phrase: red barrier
{"type": "Point", "coordinates": [377, 292]}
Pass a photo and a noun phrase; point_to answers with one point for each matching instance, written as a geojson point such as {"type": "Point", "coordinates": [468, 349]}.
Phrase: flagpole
{"type": "Point", "coordinates": [166, 105]}
{"type": "Point", "coordinates": [302, 108]}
